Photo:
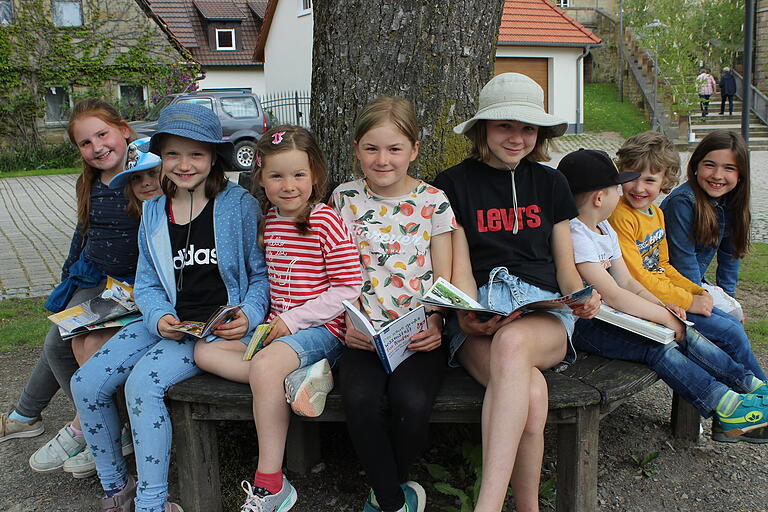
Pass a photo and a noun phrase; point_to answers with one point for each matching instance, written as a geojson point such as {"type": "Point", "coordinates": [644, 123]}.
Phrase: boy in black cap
{"type": "Point", "coordinates": [694, 367]}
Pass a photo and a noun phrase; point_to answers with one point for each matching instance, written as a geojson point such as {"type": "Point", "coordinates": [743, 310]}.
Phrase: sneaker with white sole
{"type": "Point", "coordinates": [261, 500]}
{"type": "Point", "coordinates": [82, 465]}
{"type": "Point", "coordinates": [12, 429]}
{"type": "Point", "coordinates": [123, 500]}
{"type": "Point", "coordinates": [52, 455]}
{"type": "Point", "coordinates": [307, 388]}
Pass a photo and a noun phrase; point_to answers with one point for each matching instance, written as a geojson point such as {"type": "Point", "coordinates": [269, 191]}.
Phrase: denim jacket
{"type": "Point", "coordinates": [236, 217]}
{"type": "Point", "coordinates": [689, 258]}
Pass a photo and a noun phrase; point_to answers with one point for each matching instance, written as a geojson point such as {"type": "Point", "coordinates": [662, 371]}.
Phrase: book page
{"type": "Point", "coordinates": [396, 336]}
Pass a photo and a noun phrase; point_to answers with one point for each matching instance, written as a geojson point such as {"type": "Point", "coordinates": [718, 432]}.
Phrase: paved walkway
{"type": "Point", "coordinates": [37, 218]}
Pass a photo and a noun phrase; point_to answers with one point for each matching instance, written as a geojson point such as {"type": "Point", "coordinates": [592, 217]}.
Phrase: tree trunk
{"type": "Point", "coordinates": [436, 53]}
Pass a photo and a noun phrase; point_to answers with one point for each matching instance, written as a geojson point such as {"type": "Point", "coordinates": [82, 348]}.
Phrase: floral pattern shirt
{"type": "Point", "coordinates": [393, 236]}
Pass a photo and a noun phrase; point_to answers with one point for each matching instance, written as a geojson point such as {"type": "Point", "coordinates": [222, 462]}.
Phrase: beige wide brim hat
{"type": "Point", "coordinates": [514, 97]}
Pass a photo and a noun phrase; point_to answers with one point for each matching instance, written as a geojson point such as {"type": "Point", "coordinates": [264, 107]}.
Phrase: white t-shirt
{"type": "Point", "coordinates": [591, 247]}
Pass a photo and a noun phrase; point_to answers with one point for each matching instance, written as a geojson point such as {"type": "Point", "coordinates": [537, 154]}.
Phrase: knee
{"type": "Point", "coordinates": [538, 407]}
{"type": "Point", "coordinates": [360, 401]}
{"type": "Point", "coordinates": [509, 346]}
{"type": "Point", "coordinates": [265, 370]}
{"type": "Point", "coordinates": [414, 407]}
{"type": "Point", "coordinates": [204, 355]}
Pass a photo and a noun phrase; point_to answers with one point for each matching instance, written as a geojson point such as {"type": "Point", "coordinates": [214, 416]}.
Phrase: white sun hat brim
{"type": "Point", "coordinates": [514, 97]}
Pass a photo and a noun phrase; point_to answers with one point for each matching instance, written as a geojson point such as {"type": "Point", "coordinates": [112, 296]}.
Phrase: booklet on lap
{"type": "Point", "coordinates": [444, 294]}
{"type": "Point", "coordinates": [202, 329]}
{"type": "Point", "coordinates": [391, 342]}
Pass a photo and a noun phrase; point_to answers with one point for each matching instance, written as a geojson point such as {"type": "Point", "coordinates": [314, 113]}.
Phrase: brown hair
{"type": "Point", "coordinates": [91, 107]}
{"type": "Point", "coordinates": [706, 228]}
{"type": "Point", "coordinates": [134, 203]}
{"type": "Point", "coordinates": [478, 134]}
{"type": "Point", "coordinates": [653, 151]}
{"type": "Point", "coordinates": [215, 182]}
{"type": "Point", "coordinates": [384, 109]}
{"type": "Point", "coordinates": [292, 138]}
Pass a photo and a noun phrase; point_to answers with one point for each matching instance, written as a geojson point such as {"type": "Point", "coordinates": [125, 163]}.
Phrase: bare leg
{"type": "Point", "coordinates": [508, 365]}
{"type": "Point", "coordinates": [223, 358]}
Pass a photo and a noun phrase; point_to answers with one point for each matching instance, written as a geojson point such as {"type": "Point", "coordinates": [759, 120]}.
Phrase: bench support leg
{"type": "Point", "coordinates": [302, 448]}
{"type": "Point", "coordinates": [195, 444]}
{"type": "Point", "coordinates": [685, 420]}
{"type": "Point", "coordinates": [577, 446]}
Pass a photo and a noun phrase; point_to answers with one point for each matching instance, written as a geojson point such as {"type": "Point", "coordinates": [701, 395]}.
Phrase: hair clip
{"type": "Point", "coordinates": [258, 160]}
{"type": "Point", "coordinates": [277, 137]}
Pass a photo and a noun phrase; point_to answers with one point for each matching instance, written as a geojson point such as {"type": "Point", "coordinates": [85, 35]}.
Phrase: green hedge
{"type": "Point", "coordinates": [32, 157]}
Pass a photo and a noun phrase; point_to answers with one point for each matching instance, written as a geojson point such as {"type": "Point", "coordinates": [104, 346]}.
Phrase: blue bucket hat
{"type": "Point", "coordinates": [137, 158]}
{"type": "Point", "coordinates": [194, 122]}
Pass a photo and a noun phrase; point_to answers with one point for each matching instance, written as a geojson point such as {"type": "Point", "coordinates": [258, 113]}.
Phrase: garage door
{"type": "Point", "coordinates": [536, 68]}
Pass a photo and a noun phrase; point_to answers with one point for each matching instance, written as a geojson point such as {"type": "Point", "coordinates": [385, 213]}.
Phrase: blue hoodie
{"type": "Point", "coordinates": [236, 216]}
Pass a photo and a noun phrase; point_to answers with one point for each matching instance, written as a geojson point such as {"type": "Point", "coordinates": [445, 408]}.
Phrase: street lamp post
{"type": "Point", "coordinates": [655, 61]}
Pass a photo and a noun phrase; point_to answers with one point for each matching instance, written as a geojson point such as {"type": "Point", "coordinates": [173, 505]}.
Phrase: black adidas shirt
{"type": "Point", "coordinates": [481, 198]}
{"type": "Point", "coordinates": [202, 288]}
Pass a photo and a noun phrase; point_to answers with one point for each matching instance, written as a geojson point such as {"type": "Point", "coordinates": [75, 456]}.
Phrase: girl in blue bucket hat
{"type": "Point", "coordinates": [198, 250]}
{"type": "Point", "coordinates": [140, 181]}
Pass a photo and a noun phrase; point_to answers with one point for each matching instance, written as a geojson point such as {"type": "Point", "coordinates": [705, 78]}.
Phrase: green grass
{"type": "Point", "coordinates": [23, 324]}
{"type": "Point", "coordinates": [603, 112]}
{"type": "Point", "coordinates": [40, 172]}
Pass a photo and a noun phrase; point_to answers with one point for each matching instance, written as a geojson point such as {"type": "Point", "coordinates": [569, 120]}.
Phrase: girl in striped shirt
{"type": "Point", "coordinates": [312, 266]}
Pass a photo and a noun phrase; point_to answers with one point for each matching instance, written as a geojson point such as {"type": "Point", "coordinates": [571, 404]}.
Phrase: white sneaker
{"type": "Point", "coordinates": [307, 388]}
{"type": "Point", "coordinates": [51, 455]}
{"type": "Point", "coordinates": [260, 500]}
{"type": "Point", "coordinates": [82, 465]}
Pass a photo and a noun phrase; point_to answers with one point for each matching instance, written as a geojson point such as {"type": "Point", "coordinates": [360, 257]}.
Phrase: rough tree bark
{"type": "Point", "coordinates": [436, 53]}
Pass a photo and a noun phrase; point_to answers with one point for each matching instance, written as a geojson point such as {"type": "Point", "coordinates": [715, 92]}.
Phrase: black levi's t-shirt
{"type": "Point", "coordinates": [481, 197]}
{"type": "Point", "coordinates": [202, 288]}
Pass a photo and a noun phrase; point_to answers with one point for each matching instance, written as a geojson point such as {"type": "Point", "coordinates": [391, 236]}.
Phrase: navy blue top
{"type": "Point", "coordinates": [110, 240]}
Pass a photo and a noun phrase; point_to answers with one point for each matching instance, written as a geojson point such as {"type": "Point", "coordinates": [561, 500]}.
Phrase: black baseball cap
{"type": "Point", "coordinates": [592, 169]}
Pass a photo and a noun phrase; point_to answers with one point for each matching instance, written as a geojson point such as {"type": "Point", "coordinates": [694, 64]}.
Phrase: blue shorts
{"type": "Point", "coordinates": [314, 344]}
{"type": "Point", "coordinates": [505, 292]}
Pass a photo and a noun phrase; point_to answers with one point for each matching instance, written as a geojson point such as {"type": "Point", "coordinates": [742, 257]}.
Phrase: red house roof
{"type": "Point", "coordinates": [541, 23]}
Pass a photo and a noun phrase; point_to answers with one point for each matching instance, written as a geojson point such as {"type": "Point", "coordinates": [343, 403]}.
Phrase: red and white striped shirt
{"type": "Point", "coordinates": [302, 268]}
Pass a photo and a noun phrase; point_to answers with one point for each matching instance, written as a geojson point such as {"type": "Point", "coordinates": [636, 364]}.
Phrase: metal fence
{"type": "Point", "coordinates": [759, 101]}
{"type": "Point", "coordinates": [287, 107]}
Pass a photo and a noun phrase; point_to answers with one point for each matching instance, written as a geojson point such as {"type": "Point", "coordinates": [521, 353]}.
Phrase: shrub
{"type": "Point", "coordinates": [26, 157]}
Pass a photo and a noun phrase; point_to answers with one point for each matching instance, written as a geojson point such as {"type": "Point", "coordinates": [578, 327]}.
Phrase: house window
{"type": "Point", "coordinates": [131, 94]}
{"type": "Point", "coordinates": [6, 12]}
{"type": "Point", "coordinates": [305, 7]}
{"type": "Point", "coordinates": [240, 107]}
{"type": "Point", "coordinates": [57, 104]}
{"type": "Point", "coordinates": [563, 3]}
{"type": "Point", "coordinates": [225, 39]}
{"type": "Point", "coordinates": [67, 13]}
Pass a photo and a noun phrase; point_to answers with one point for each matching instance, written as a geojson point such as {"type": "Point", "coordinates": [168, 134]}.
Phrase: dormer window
{"type": "Point", "coordinates": [305, 7]}
{"type": "Point", "coordinates": [225, 39]}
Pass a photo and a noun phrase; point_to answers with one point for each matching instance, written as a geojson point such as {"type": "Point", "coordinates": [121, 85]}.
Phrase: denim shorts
{"type": "Point", "coordinates": [505, 292]}
{"type": "Point", "coordinates": [314, 344]}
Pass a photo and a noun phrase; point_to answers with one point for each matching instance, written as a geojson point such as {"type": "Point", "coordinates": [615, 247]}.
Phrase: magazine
{"type": "Point", "coordinates": [444, 294]}
{"type": "Point", "coordinates": [114, 302]}
{"type": "Point", "coordinates": [109, 324]}
{"type": "Point", "coordinates": [202, 329]}
{"type": "Point", "coordinates": [646, 328]}
{"type": "Point", "coordinates": [391, 342]}
{"type": "Point", "coordinates": [257, 340]}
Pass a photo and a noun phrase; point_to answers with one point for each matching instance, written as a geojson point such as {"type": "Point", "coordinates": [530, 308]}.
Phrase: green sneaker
{"type": "Point", "coordinates": [415, 498]}
{"type": "Point", "coordinates": [756, 436]}
{"type": "Point", "coordinates": [751, 413]}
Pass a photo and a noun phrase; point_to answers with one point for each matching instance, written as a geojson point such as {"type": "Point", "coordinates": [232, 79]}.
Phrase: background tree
{"type": "Point", "coordinates": [436, 53]}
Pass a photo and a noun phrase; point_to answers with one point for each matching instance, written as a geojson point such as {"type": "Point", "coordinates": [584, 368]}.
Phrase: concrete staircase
{"type": "Point", "coordinates": [700, 126]}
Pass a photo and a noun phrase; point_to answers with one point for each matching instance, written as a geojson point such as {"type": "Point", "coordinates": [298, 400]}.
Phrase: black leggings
{"type": "Point", "coordinates": [388, 415]}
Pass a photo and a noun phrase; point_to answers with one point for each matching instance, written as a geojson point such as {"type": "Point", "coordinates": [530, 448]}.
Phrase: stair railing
{"type": "Point", "coordinates": [759, 100]}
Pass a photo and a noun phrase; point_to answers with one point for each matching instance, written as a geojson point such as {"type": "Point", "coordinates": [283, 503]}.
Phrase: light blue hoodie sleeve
{"type": "Point", "coordinates": [255, 304]}
{"type": "Point", "coordinates": [149, 293]}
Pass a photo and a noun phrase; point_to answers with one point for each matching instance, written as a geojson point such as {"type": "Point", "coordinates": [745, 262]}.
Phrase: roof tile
{"type": "Point", "coordinates": [219, 11]}
{"type": "Point", "coordinates": [540, 21]}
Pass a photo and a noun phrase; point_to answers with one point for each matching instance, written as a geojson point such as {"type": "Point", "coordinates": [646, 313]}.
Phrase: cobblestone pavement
{"type": "Point", "coordinates": [37, 217]}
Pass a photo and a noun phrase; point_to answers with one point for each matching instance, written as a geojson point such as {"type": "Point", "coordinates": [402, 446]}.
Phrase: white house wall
{"type": "Point", "coordinates": [227, 78]}
{"type": "Point", "coordinates": [563, 62]}
{"type": "Point", "coordinates": [288, 50]}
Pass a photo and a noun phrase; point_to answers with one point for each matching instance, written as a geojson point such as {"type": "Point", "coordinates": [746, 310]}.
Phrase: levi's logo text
{"type": "Point", "coordinates": [503, 219]}
{"type": "Point", "coordinates": [191, 256]}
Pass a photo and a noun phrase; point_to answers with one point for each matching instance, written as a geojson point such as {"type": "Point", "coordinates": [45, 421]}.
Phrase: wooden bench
{"type": "Point", "coordinates": [578, 398]}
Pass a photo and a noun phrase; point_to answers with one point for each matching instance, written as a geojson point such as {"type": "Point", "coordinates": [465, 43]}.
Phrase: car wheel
{"type": "Point", "coordinates": [244, 153]}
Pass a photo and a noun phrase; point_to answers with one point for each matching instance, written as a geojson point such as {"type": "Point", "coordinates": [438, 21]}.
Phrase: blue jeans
{"type": "Point", "coordinates": [727, 333]}
{"type": "Point", "coordinates": [312, 345]}
{"type": "Point", "coordinates": [696, 368]}
{"type": "Point", "coordinates": [148, 365]}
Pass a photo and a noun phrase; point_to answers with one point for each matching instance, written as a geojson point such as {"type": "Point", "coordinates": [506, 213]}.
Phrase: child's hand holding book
{"type": "Point", "coordinates": [279, 329]}
{"type": "Point", "coordinates": [235, 328]}
{"type": "Point", "coordinates": [164, 327]}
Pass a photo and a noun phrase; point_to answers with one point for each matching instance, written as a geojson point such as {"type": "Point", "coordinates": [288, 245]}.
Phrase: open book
{"type": "Point", "coordinates": [257, 340]}
{"type": "Point", "coordinates": [444, 294]}
{"type": "Point", "coordinates": [202, 329]}
{"type": "Point", "coordinates": [116, 323]}
{"type": "Point", "coordinates": [392, 341]}
{"type": "Point", "coordinates": [114, 302]}
{"type": "Point", "coordinates": [646, 328]}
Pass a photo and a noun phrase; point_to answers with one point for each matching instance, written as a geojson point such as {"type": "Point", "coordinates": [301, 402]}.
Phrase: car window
{"type": "Point", "coordinates": [205, 102]}
{"type": "Point", "coordinates": [240, 107]}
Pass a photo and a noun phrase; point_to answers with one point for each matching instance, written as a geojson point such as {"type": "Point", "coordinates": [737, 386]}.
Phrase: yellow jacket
{"type": "Point", "coordinates": [644, 247]}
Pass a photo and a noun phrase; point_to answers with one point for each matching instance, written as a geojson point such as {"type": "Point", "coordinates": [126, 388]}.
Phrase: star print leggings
{"type": "Point", "coordinates": [148, 365]}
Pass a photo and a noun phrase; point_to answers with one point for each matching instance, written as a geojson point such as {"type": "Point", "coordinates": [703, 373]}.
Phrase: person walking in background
{"type": "Point", "coordinates": [727, 90]}
{"type": "Point", "coordinates": [706, 84]}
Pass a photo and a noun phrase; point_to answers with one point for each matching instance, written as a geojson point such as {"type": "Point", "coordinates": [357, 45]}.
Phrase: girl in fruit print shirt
{"type": "Point", "coordinates": [402, 227]}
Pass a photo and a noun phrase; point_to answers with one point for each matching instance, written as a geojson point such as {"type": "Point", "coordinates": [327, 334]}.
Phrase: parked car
{"type": "Point", "coordinates": [243, 120]}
